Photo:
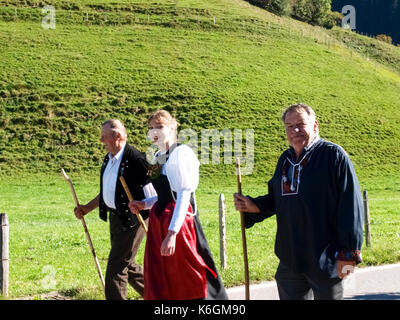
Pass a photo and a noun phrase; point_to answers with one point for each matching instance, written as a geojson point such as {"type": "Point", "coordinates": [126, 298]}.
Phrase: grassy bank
{"type": "Point", "coordinates": [57, 86]}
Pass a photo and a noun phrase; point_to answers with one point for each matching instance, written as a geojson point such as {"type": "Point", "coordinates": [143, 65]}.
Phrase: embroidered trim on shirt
{"type": "Point", "coordinates": [291, 174]}
{"type": "Point", "coordinates": [349, 255]}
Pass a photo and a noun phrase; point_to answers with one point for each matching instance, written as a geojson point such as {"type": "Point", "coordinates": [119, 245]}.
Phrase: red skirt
{"type": "Point", "coordinates": [181, 276]}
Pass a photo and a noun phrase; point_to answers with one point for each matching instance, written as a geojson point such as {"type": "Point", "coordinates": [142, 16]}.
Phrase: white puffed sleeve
{"type": "Point", "coordinates": [150, 195]}
{"type": "Point", "coordinates": [182, 169]}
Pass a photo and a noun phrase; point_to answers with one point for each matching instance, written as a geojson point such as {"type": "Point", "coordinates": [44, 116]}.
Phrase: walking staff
{"type": "Point", "coordinates": [130, 197]}
{"type": "Point", "coordinates": [96, 262]}
{"type": "Point", "coordinates": [244, 242]}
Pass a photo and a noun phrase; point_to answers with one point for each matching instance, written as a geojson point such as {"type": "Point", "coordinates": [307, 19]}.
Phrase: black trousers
{"type": "Point", "coordinates": [122, 267]}
{"type": "Point", "coordinates": [301, 286]}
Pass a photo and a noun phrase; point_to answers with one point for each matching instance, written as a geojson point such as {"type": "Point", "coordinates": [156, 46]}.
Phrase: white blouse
{"type": "Point", "coordinates": [182, 171]}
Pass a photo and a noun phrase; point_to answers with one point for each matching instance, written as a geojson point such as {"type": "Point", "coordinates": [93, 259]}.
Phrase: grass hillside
{"type": "Point", "coordinates": [216, 64]}
{"type": "Point", "coordinates": [127, 59]}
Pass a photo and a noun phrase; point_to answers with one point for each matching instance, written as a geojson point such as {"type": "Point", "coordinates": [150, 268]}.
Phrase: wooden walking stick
{"type": "Point", "coordinates": [96, 262]}
{"type": "Point", "coordinates": [246, 263]}
{"type": "Point", "coordinates": [128, 193]}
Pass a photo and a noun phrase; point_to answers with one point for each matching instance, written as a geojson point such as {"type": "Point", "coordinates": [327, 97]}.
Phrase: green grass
{"type": "Point", "coordinates": [49, 251]}
{"type": "Point", "coordinates": [58, 86]}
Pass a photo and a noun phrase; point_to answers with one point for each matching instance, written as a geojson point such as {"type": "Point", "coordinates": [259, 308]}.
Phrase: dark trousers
{"type": "Point", "coordinates": [300, 286]}
{"type": "Point", "coordinates": [122, 267]}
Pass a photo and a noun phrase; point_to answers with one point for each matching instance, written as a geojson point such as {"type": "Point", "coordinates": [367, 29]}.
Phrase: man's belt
{"type": "Point", "coordinates": [113, 211]}
{"type": "Point", "coordinates": [126, 220]}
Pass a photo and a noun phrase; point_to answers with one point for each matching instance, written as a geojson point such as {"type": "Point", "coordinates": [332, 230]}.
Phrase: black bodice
{"type": "Point", "coordinates": [164, 193]}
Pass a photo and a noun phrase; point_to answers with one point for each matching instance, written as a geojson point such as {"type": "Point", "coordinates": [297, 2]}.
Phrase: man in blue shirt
{"type": "Point", "coordinates": [317, 201]}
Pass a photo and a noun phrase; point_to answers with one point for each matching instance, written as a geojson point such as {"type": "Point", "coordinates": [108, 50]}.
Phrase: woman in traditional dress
{"type": "Point", "coordinates": [178, 264]}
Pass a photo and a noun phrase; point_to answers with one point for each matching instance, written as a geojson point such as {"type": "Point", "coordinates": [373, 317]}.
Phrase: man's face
{"type": "Point", "coordinates": [110, 140]}
{"type": "Point", "coordinates": [301, 129]}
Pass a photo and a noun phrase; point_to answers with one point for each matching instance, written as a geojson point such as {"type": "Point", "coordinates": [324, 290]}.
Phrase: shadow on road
{"type": "Point", "coordinates": [376, 296]}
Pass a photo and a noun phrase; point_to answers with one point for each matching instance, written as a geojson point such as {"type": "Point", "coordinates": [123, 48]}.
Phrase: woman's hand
{"type": "Point", "coordinates": [136, 206]}
{"type": "Point", "coordinates": [168, 244]}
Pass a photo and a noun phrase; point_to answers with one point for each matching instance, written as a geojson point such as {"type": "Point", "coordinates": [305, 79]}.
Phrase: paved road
{"type": "Point", "coordinates": [370, 283]}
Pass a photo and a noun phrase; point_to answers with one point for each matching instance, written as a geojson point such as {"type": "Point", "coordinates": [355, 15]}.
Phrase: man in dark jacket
{"type": "Point", "coordinates": [317, 201]}
{"type": "Point", "coordinates": [125, 230]}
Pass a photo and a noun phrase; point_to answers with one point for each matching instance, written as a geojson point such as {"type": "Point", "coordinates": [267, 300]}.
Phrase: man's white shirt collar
{"type": "Point", "coordinates": [118, 155]}
{"type": "Point", "coordinates": [110, 177]}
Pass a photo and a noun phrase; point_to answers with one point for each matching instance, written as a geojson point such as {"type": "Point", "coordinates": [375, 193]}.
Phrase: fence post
{"type": "Point", "coordinates": [222, 231]}
{"type": "Point", "coordinates": [4, 255]}
{"type": "Point", "coordinates": [366, 219]}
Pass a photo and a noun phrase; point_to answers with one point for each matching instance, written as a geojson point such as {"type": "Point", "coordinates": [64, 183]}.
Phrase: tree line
{"type": "Point", "coordinates": [375, 17]}
{"type": "Point", "coordinates": [315, 12]}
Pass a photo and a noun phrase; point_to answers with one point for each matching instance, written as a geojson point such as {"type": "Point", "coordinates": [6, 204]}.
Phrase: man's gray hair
{"type": "Point", "coordinates": [116, 126]}
{"type": "Point", "coordinates": [298, 108]}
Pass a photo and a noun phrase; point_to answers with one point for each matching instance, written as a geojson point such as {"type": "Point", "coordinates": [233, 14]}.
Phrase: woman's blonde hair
{"type": "Point", "coordinates": [165, 118]}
